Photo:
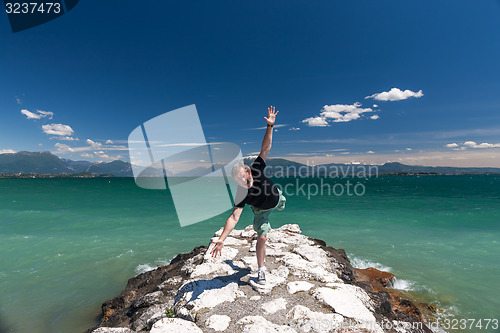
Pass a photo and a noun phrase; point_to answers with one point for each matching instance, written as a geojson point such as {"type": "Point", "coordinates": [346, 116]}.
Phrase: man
{"type": "Point", "coordinates": [258, 191]}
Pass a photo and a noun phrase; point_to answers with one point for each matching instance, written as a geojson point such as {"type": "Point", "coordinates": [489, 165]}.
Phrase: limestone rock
{"type": "Point", "coordinates": [305, 320]}
{"type": "Point", "coordinates": [258, 324]}
{"type": "Point", "coordinates": [273, 278]}
{"type": "Point", "coordinates": [296, 286]}
{"type": "Point", "coordinates": [218, 322]}
{"type": "Point", "coordinates": [113, 330]}
{"type": "Point", "coordinates": [177, 325]}
{"type": "Point", "coordinates": [275, 305]}
{"type": "Point", "coordinates": [198, 294]}
{"type": "Point", "coordinates": [347, 300]}
{"type": "Point", "coordinates": [309, 269]}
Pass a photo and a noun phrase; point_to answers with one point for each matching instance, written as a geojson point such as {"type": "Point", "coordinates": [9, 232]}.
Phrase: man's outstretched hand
{"type": "Point", "coordinates": [216, 250]}
{"type": "Point", "coordinates": [271, 115]}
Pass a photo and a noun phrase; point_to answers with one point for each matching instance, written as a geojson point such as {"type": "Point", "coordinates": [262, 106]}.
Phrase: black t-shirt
{"type": "Point", "coordinates": [263, 194]}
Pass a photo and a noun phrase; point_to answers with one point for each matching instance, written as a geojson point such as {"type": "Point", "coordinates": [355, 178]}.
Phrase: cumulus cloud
{"type": "Point", "coordinates": [62, 148]}
{"type": "Point", "coordinates": [95, 145]}
{"type": "Point", "coordinates": [7, 151]}
{"type": "Point", "coordinates": [86, 155]}
{"type": "Point", "coordinates": [38, 115]}
{"type": "Point", "coordinates": [370, 152]}
{"type": "Point", "coordinates": [338, 113]}
{"type": "Point", "coordinates": [315, 122]}
{"type": "Point", "coordinates": [109, 142]}
{"type": "Point", "coordinates": [395, 94]}
{"type": "Point", "coordinates": [58, 129]}
{"type": "Point", "coordinates": [452, 145]}
{"type": "Point", "coordinates": [375, 116]}
{"type": "Point", "coordinates": [66, 138]}
{"type": "Point", "coordinates": [472, 144]}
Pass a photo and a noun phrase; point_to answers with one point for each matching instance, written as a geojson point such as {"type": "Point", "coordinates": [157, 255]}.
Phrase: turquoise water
{"type": "Point", "coordinates": [67, 245]}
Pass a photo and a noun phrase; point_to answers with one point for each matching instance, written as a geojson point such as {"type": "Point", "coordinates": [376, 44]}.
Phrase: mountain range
{"type": "Point", "coordinates": [47, 163]}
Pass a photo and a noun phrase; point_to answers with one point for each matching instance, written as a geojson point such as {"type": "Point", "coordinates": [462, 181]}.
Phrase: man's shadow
{"type": "Point", "coordinates": [200, 286]}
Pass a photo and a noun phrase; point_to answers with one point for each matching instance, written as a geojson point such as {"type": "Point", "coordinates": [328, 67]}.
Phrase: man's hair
{"type": "Point", "coordinates": [237, 167]}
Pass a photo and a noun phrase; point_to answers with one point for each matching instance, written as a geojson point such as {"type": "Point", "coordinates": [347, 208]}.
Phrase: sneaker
{"type": "Point", "coordinates": [261, 278]}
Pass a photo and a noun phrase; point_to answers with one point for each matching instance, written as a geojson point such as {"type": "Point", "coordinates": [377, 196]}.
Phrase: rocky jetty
{"type": "Point", "coordinates": [310, 287]}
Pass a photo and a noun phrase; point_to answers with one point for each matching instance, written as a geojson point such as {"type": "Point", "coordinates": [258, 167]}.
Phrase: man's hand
{"type": "Point", "coordinates": [216, 250]}
{"type": "Point", "coordinates": [271, 115]}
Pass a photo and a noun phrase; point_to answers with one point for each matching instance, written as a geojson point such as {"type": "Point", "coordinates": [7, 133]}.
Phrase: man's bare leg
{"type": "Point", "coordinates": [261, 250]}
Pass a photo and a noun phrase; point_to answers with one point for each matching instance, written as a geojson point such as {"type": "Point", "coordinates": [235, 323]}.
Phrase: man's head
{"type": "Point", "coordinates": [242, 174]}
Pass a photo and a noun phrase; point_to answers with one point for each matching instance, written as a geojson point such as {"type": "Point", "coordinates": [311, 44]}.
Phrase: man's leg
{"type": "Point", "coordinates": [261, 250]}
{"type": "Point", "coordinates": [262, 226]}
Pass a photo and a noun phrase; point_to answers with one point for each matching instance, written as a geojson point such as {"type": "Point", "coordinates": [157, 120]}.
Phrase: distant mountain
{"type": "Point", "coordinates": [37, 162]}
{"type": "Point", "coordinates": [47, 163]}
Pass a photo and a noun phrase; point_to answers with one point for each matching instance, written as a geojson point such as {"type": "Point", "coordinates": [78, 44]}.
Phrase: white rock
{"type": "Point", "coordinates": [218, 265]}
{"type": "Point", "coordinates": [151, 315]}
{"type": "Point", "coordinates": [113, 330]}
{"type": "Point", "coordinates": [296, 286]}
{"type": "Point", "coordinates": [198, 294]}
{"type": "Point", "coordinates": [173, 280]}
{"type": "Point", "coordinates": [258, 324]}
{"type": "Point", "coordinates": [313, 253]}
{"type": "Point", "coordinates": [273, 278]}
{"type": "Point", "coordinates": [278, 236]}
{"type": "Point", "coordinates": [275, 305]}
{"type": "Point", "coordinates": [309, 269]}
{"type": "Point", "coordinates": [290, 228]}
{"type": "Point", "coordinates": [218, 322]}
{"type": "Point", "coordinates": [254, 298]}
{"type": "Point", "coordinates": [347, 300]}
{"type": "Point", "coordinates": [227, 253]}
{"type": "Point", "coordinates": [305, 320]}
{"type": "Point", "coordinates": [177, 325]}
{"type": "Point", "coordinates": [250, 262]}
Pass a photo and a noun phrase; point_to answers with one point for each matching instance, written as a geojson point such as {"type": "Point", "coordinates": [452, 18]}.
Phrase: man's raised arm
{"type": "Point", "coordinates": [268, 137]}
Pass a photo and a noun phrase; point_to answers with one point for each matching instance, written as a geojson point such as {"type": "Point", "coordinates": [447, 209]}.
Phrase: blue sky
{"type": "Point", "coordinates": [105, 67]}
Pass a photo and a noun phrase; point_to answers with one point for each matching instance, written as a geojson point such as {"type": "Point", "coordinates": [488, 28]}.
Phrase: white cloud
{"type": "Point", "coordinates": [375, 105]}
{"type": "Point", "coordinates": [38, 115]}
{"type": "Point", "coordinates": [472, 144]}
{"type": "Point", "coordinates": [343, 112]}
{"type": "Point", "coordinates": [395, 94]}
{"type": "Point", "coordinates": [7, 151]}
{"type": "Point", "coordinates": [94, 144]}
{"type": "Point", "coordinates": [375, 116]}
{"type": "Point", "coordinates": [18, 100]}
{"type": "Point", "coordinates": [370, 152]}
{"type": "Point", "coordinates": [408, 148]}
{"type": "Point", "coordinates": [62, 148]}
{"type": "Point", "coordinates": [338, 113]}
{"type": "Point", "coordinates": [45, 113]}
{"type": "Point", "coordinates": [86, 155]}
{"type": "Point", "coordinates": [315, 122]}
{"type": "Point", "coordinates": [452, 145]}
{"type": "Point", "coordinates": [109, 142]}
{"type": "Point", "coordinates": [58, 129]}
{"type": "Point", "coordinates": [294, 129]}
{"type": "Point", "coordinates": [66, 138]}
